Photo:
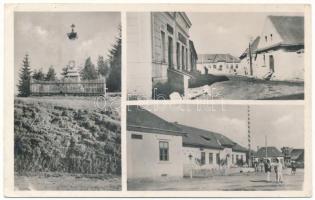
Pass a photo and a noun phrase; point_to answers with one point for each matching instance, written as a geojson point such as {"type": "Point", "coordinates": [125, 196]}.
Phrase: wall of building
{"type": "Point", "coordinates": [143, 156]}
{"type": "Point", "coordinates": [214, 68]}
{"type": "Point", "coordinates": [236, 156]}
{"type": "Point", "coordinates": [139, 54]}
{"type": "Point", "coordinates": [162, 22]}
{"type": "Point", "coordinates": [288, 66]}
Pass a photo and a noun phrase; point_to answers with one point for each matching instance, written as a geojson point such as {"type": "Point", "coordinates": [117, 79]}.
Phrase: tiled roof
{"type": "Point", "coordinates": [297, 154]}
{"type": "Point", "coordinates": [290, 28]}
{"type": "Point", "coordinates": [139, 119]}
{"type": "Point", "coordinates": [253, 47]}
{"type": "Point", "coordinates": [271, 152]}
{"type": "Point", "coordinates": [214, 58]}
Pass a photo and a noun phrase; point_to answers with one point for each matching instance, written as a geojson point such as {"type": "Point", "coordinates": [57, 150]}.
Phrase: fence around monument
{"type": "Point", "coordinates": [67, 87]}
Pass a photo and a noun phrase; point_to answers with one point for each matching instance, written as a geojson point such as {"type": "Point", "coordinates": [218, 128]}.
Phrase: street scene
{"type": "Point", "coordinates": [67, 132]}
{"type": "Point", "coordinates": [215, 147]}
{"type": "Point", "coordinates": [234, 56]}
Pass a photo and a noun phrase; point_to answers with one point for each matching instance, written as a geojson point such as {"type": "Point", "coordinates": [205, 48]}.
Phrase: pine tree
{"type": "Point", "coordinates": [25, 75]}
{"type": "Point", "coordinates": [89, 71]}
{"type": "Point", "coordinates": [51, 74]}
{"type": "Point", "coordinates": [38, 75]}
{"type": "Point", "coordinates": [113, 81]}
{"type": "Point", "coordinates": [102, 66]}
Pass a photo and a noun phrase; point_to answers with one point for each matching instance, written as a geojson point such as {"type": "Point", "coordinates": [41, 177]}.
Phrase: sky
{"type": "Point", "coordinates": [282, 125]}
{"type": "Point", "coordinates": [42, 35]}
{"type": "Point", "coordinates": [226, 32]}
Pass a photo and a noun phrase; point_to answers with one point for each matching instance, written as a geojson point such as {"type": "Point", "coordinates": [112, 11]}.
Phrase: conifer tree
{"type": "Point", "coordinates": [113, 81]}
{"type": "Point", "coordinates": [25, 76]}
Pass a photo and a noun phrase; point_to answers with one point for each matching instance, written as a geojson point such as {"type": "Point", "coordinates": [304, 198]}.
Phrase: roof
{"type": "Point", "coordinates": [139, 119]}
{"type": "Point", "coordinates": [290, 28]}
{"type": "Point", "coordinates": [297, 154]}
{"type": "Point", "coordinates": [271, 152]}
{"type": "Point", "coordinates": [253, 46]}
{"type": "Point", "coordinates": [214, 58]}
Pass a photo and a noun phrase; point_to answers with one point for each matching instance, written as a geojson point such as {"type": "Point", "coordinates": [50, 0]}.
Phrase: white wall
{"type": "Point", "coordinates": [226, 68]}
{"type": "Point", "coordinates": [143, 156]}
{"type": "Point", "coordinates": [289, 66]}
{"type": "Point", "coordinates": [139, 54]}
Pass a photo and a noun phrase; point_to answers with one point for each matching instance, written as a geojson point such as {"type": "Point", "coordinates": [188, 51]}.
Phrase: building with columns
{"type": "Point", "coordinates": [159, 50]}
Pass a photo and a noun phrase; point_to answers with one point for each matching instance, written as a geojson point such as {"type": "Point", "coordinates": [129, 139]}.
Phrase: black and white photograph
{"type": "Point", "coordinates": [67, 75]}
{"type": "Point", "coordinates": [215, 55]}
{"type": "Point", "coordinates": [215, 147]}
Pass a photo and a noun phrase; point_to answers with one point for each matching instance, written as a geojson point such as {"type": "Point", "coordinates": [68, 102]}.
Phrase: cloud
{"type": "Point", "coordinates": [40, 31]}
{"type": "Point", "coordinates": [283, 119]}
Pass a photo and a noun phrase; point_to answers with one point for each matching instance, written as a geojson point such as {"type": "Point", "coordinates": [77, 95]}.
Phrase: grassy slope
{"type": "Point", "coordinates": [67, 135]}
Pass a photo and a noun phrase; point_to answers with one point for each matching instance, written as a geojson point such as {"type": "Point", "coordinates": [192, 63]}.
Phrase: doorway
{"type": "Point", "coordinates": [271, 64]}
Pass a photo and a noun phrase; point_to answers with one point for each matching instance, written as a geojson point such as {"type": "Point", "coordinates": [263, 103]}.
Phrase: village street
{"type": "Point", "coordinates": [243, 88]}
{"type": "Point", "coordinates": [235, 182]}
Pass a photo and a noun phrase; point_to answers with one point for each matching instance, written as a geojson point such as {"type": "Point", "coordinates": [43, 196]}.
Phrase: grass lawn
{"type": "Point", "coordinates": [63, 182]}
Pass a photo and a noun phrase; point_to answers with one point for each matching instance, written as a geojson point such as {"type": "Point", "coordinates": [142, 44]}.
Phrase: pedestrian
{"type": "Point", "coordinates": [293, 168]}
{"type": "Point", "coordinates": [278, 170]}
{"type": "Point", "coordinates": [268, 169]}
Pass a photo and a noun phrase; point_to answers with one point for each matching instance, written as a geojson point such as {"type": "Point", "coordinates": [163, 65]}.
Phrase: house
{"type": "Point", "coordinates": [224, 64]}
{"type": "Point", "coordinates": [268, 153]}
{"type": "Point", "coordinates": [158, 148]}
{"type": "Point", "coordinates": [297, 156]}
{"type": "Point", "coordinates": [279, 54]}
{"type": "Point", "coordinates": [159, 51]}
{"type": "Point", "coordinates": [246, 58]}
{"type": "Point", "coordinates": [154, 146]}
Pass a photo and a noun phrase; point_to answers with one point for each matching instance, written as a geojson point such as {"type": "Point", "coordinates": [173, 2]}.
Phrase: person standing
{"type": "Point", "coordinates": [268, 169]}
{"type": "Point", "coordinates": [293, 168]}
{"type": "Point", "coordinates": [279, 172]}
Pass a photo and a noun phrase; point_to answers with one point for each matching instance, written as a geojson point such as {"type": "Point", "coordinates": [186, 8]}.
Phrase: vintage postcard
{"type": "Point", "coordinates": [159, 100]}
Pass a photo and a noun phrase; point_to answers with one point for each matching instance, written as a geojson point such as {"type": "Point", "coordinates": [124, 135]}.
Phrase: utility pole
{"type": "Point", "coordinates": [266, 146]}
{"type": "Point", "coordinates": [249, 137]}
{"type": "Point", "coordinates": [250, 59]}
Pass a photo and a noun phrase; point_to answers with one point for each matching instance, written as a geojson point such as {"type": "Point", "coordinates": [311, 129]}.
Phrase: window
{"type": "Point", "coordinates": [242, 157]}
{"type": "Point", "coordinates": [136, 136]}
{"type": "Point", "coordinates": [203, 158]}
{"type": "Point", "coordinates": [233, 159]}
{"type": "Point", "coordinates": [214, 66]}
{"type": "Point", "coordinates": [220, 68]}
{"type": "Point", "coordinates": [164, 151]}
{"type": "Point", "coordinates": [218, 158]}
{"type": "Point", "coordinates": [271, 37]}
{"type": "Point", "coordinates": [177, 55]}
{"type": "Point", "coordinates": [163, 46]}
{"type": "Point", "coordinates": [183, 57]}
{"type": "Point", "coordinates": [236, 66]}
{"type": "Point", "coordinates": [236, 158]}
{"type": "Point", "coordinates": [210, 158]}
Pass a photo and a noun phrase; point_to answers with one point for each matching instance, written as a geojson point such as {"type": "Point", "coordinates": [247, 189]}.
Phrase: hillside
{"type": "Point", "coordinates": [67, 135]}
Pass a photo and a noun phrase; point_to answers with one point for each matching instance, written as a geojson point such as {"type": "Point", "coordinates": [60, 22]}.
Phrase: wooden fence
{"type": "Point", "coordinates": [67, 87]}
